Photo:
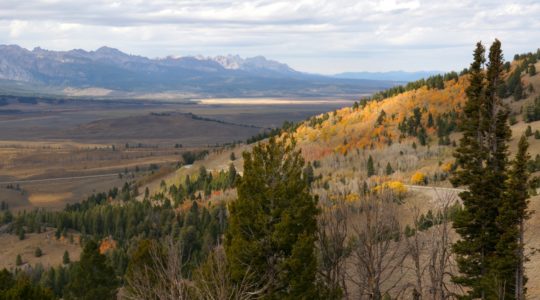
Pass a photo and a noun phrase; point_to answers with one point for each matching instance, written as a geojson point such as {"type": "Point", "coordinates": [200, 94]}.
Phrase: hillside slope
{"type": "Point", "coordinates": [404, 142]}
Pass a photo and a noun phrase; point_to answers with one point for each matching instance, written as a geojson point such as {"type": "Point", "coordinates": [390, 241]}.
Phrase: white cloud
{"type": "Point", "coordinates": [311, 35]}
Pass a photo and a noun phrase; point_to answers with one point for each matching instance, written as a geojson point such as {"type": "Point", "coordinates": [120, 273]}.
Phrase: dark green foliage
{"type": "Point", "coordinates": [518, 92]}
{"type": "Point", "coordinates": [91, 277]}
{"type": "Point", "coordinates": [233, 156]}
{"type": "Point", "coordinates": [445, 124]}
{"type": "Point", "coordinates": [482, 159]}
{"type": "Point", "coordinates": [190, 157]}
{"type": "Point", "coordinates": [528, 131]}
{"type": "Point", "coordinates": [370, 167]}
{"type": "Point", "coordinates": [65, 258]}
{"type": "Point", "coordinates": [6, 281]}
{"type": "Point", "coordinates": [380, 118]}
{"type": "Point", "coordinates": [199, 228]}
{"type": "Point", "coordinates": [205, 182]}
{"type": "Point", "coordinates": [18, 260]}
{"type": "Point", "coordinates": [389, 169]}
{"type": "Point", "coordinates": [308, 174]}
{"type": "Point", "coordinates": [315, 120]}
{"type": "Point", "coordinates": [534, 164]}
{"type": "Point", "coordinates": [513, 120]}
{"type": "Point", "coordinates": [273, 223]}
{"type": "Point", "coordinates": [469, 157]}
{"type": "Point", "coordinates": [510, 259]}
{"type": "Point", "coordinates": [285, 127]}
{"type": "Point", "coordinates": [532, 112]}
{"type": "Point", "coordinates": [432, 82]}
{"type": "Point", "coordinates": [422, 136]}
{"type": "Point", "coordinates": [22, 288]}
{"type": "Point", "coordinates": [514, 80]}
{"type": "Point", "coordinates": [531, 70]}
{"type": "Point", "coordinates": [524, 63]}
{"type": "Point", "coordinates": [38, 252]}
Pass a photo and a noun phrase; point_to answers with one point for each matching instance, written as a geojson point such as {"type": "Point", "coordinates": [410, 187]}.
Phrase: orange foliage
{"type": "Point", "coordinates": [106, 245]}
{"type": "Point", "coordinates": [358, 127]}
{"type": "Point", "coordinates": [418, 178]}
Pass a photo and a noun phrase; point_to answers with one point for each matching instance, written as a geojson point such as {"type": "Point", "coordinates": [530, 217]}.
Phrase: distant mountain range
{"type": "Point", "coordinates": [391, 75]}
{"type": "Point", "coordinates": [118, 72]}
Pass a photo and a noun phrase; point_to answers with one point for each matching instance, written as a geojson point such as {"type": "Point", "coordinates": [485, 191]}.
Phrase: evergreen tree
{"type": "Point", "coordinates": [232, 175]}
{"type": "Point", "coordinates": [518, 91]}
{"type": "Point", "coordinates": [470, 156]}
{"type": "Point", "coordinates": [23, 288]}
{"type": "Point", "coordinates": [513, 213]}
{"type": "Point", "coordinates": [422, 136]}
{"type": "Point", "coordinates": [38, 252]}
{"type": "Point", "coordinates": [389, 170]}
{"type": "Point", "coordinates": [528, 131]}
{"type": "Point", "coordinates": [18, 260]}
{"type": "Point", "coordinates": [532, 70]}
{"type": "Point", "coordinates": [6, 281]}
{"type": "Point", "coordinates": [91, 277]}
{"type": "Point", "coordinates": [309, 175]}
{"type": "Point", "coordinates": [65, 258]}
{"type": "Point", "coordinates": [370, 167]}
{"type": "Point", "coordinates": [430, 122]}
{"type": "Point", "coordinates": [482, 159]}
{"type": "Point", "coordinates": [272, 226]}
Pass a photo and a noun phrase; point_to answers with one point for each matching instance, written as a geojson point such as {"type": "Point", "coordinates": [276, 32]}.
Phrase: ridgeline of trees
{"type": "Point", "coordinates": [432, 82]}
{"type": "Point", "coordinates": [286, 127]}
{"type": "Point", "coordinates": [199, 187]}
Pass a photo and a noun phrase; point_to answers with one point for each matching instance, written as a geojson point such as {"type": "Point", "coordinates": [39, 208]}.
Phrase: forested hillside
{"type": "Point", "coordinates": [355, 203]}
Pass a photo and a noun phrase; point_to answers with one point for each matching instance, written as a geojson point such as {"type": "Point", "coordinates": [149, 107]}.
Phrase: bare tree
{"type": "Point", "coordinates": [333, 246]}
{"type": "Point", "coordinates": [161, 279]}
{"type": "Point", "coordinates": [441, 264]}
{"type": "Point", "coordinates": [377, 250]}
{"type": "Point", "coordinates": [416, 246]}
{"type": "Point", "coordinates": [213, 280]}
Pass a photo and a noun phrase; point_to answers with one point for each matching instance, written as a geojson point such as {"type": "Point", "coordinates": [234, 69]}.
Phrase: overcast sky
{"type": "Point", "coordinates": [314, 35]}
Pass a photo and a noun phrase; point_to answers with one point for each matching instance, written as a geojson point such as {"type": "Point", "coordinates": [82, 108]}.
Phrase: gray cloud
{"type": "Point", "coordinates": [324, 36]}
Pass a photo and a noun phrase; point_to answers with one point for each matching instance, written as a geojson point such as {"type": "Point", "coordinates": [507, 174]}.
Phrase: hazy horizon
{"type": "Point", "coordinates": [228, 54]}
{"type": "Point", "coordinates": [325, 37]}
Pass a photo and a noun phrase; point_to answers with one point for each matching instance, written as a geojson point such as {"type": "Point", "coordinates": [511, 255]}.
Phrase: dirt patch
{"type": "Point", "coordinates": [49, 198]}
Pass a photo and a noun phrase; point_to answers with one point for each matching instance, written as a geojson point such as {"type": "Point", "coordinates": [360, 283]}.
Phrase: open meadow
{"type": "Point", "coordinates": [94, 145]}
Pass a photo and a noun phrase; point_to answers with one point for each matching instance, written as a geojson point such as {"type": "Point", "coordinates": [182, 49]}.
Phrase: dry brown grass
{"type": "Point", "coordinates": [53, 249]}
{"type": "Point", "coordinates": [38, 199]}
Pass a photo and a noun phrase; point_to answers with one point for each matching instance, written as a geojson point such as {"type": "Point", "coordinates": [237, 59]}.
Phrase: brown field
{"type": "Point", "coordinates": [53, 249]}
{"type": "Point", "coordinates": [39, 199]}
{"type": "Point", "coordinates": [81, 138]}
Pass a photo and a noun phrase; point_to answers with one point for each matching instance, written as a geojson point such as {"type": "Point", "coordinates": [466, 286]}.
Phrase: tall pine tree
{"type": "Point", "coordinates": [513, 213]}
{"type": "Point", "coordinates": [482, 160]}
{"type": "Point", "coordinates": [273, 223]}
{"type": "Point", "coordinates": [500, 281]}
{"type": "Point", "coordinates": [470, 157]}
{"type": "Point", "coordinates": [370, 167]}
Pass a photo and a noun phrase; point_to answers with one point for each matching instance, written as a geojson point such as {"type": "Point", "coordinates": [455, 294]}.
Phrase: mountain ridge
{"type": "Point", "coordinates": [220, 76]}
